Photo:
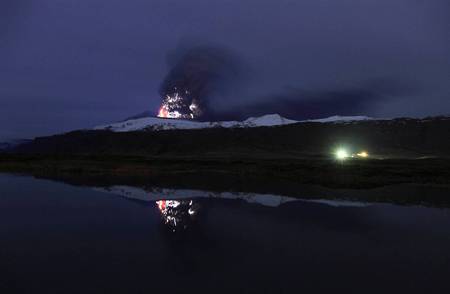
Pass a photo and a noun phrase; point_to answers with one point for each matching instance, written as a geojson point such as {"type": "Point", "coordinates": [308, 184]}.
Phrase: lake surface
{"type": "Point", "coordinates": [57, 238]}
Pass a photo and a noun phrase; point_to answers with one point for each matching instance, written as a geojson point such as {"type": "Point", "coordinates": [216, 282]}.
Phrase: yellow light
{"type": "Point", "coordinates": [341, 154]}
{"type": "Point", "coordinates": [363, 154]}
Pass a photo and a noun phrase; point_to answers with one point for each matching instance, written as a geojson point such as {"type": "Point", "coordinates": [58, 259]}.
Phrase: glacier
{"type": "Point", "coordinates": [160, 124]}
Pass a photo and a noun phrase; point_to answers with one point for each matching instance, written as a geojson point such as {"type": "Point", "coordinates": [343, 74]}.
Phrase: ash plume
{"type": "Point", "coordinates": [210, 83]}
{"type": "Point", "coordinates": [196, 75]}
{"type": "Point", "coordinates": [297, 103]}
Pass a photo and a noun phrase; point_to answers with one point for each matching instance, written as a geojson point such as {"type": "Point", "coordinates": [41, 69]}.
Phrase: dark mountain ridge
{"type": "Point", "coordinates": [402, 137]}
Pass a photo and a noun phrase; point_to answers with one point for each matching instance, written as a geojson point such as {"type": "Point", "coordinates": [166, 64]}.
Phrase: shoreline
{"type": "Point", "coordinates": [395, 181]}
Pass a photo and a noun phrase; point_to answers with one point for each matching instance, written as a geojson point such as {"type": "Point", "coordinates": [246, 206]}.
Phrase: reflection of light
{"type": "Point", "coordinates": [176, 213]}
{"type": "Point", "coordinates": [163, 205]}
{"type": "Point", "coordinates": [362, 154]}
{"type": "Point", "coordinates": [341, 154]}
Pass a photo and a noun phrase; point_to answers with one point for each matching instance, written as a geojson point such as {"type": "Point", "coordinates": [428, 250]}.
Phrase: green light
{"type": "Point", "coordinates": [342, 154]}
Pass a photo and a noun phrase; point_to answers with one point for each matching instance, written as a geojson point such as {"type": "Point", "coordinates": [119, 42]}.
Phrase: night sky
{"type": "Point", "coordinates": [70, 64]}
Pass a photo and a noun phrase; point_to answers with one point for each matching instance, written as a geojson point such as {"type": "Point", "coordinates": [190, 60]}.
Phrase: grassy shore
{"type": "Point", "coordinates": [353, 173]}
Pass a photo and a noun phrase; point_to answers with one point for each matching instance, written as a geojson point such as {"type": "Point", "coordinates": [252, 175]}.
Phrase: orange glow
{"type": "Point", "coordinates": [163, 112]}
{"type": "Point", "coordinates": [363, 154]}
{"type": "Point", "coordinates": [161, 205]}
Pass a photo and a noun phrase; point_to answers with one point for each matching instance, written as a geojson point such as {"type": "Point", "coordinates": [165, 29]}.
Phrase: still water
{"type": "Point", "coordinates": [57, 238]}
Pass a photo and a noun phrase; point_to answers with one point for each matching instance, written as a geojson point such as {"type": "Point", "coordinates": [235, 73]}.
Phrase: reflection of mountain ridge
{"type": "Point", "coordinates": [270, 200]}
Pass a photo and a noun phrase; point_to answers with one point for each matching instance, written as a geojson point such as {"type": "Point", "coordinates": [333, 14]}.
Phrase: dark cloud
{"type": "Point", "coordinates": [307, 104]}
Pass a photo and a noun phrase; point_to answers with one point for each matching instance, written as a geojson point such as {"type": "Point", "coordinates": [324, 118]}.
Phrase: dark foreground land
{"type": "Point", "coordinates": [399, 138]}
{"type": "Point", "coordinates": [279, 160]}
{"type": "Point", "coordinates": [352, 173]}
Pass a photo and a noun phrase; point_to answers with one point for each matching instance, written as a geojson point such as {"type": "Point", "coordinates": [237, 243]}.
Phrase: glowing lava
{"type": "Point", "coordinates": [163, 112]}
{"type": "Point", "coordinates": [177, 106]}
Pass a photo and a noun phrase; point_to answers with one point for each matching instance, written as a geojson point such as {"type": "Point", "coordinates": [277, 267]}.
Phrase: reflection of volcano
{"type": "Point", "coordinates": [181, 195]}
{"type": "Point", "coordinates": [177, 214]}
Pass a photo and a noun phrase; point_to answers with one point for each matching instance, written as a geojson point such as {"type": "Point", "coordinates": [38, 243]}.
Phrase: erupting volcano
{"type": "Point", "coordinates": [195, 76]}
{"type": "Point", "coordinates": [179, 106]}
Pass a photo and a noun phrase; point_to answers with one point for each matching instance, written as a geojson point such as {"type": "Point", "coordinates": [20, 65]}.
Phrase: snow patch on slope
{"type": "Point", "coordinates": [157, 124]}
{"type": "Point", "coordinates": [151, 123]}
{"type": "Point", "coordinates": [269, 120]}
{"type": "Point", "coordinates": [338, 118]}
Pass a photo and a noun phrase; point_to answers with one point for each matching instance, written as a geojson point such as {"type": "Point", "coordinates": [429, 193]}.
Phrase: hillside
{"type": "Point", "coordinates": [159, 124]}
{"type": "Point", "coordinates": [148, 123]}
{"type": "Point", "coordinates": [413, 151]}
{"type": "Point", "coordinates": [381, 138]}
{"type": "Point", "coordinates": [8, 145]}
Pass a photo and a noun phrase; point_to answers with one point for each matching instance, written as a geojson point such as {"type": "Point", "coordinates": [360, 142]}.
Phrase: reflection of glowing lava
{"type": "Point", "coordinates": [177, 106]}
{"type": "Point", "coordinates": [177, 214]}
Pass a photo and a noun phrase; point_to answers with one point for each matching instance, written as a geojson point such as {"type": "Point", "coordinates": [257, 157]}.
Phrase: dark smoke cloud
{"type": "Point", "coordinates": [221, 83]}
{"type": "Point", "coordinates": [200, 73]}
{"type": "Point", "coordinates": [308, 104]}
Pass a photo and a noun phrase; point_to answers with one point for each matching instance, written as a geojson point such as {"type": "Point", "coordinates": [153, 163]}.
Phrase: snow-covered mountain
{"type": "Point", "coordinates": [157, 124]}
